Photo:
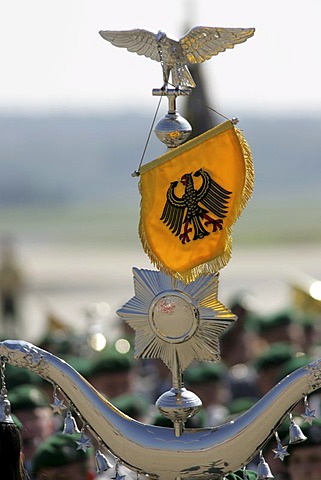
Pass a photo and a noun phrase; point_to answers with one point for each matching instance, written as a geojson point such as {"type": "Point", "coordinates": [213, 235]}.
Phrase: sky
{"type": "Point", "coordinates": [53, 59]}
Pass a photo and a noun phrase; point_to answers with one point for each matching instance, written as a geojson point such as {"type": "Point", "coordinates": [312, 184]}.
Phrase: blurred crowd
{"type": "Point", "coordinates": [256, 353]}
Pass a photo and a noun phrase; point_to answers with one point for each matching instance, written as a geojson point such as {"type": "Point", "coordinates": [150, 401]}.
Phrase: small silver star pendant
{"type": "Point", "coordinates": [308, 415]}
{"type": "Point", "coordinates": [84, 443]}
{"type": "Point", "coordinates": [280, 451]}
{"type": "Point", "coordinates": [58, 406]}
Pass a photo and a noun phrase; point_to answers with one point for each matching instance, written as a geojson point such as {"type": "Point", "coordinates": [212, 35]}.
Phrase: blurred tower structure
{"type": "Point", "coordinates": [197, 108]}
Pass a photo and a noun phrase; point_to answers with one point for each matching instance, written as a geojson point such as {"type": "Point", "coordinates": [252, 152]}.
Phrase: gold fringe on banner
{"type": "Point", "coordinates": [210, 151]}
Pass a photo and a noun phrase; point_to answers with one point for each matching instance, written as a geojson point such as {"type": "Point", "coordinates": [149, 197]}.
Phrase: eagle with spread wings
{"type": "Point", "coordinates": [188, 211]}
{"type": "Point", "coordinates": [198, 45]}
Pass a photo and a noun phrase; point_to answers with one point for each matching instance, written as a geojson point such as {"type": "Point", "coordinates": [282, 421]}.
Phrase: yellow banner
{"type": "Point", "coordinates": [190, 198]}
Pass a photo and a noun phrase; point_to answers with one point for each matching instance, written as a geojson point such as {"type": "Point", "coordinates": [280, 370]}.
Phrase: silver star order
{"type": "Point", "coordinates": [280, 451]}
{"type": "Point", "coordinates": [308, 415]}
{"type": "Point", "coordinates": [175, 321]}
{"type": "Point", "coordinates": [84, 443]}
{"type": "Point", "coordinates": [58, 406]}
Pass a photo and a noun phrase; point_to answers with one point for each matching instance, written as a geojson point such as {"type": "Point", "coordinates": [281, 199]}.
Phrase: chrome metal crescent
{"type": "Point", "coordinates": [198, 453]}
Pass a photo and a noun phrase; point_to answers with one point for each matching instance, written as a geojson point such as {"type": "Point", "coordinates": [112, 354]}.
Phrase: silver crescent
{"type": "Point", "coordinates": [206, 453]}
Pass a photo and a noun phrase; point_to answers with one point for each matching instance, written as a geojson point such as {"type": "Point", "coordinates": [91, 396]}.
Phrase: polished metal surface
{"type": "Point", "coordinates": [172, 129]}
{"type": "Point", "coordinates": [263, 469]}
{"type": "Point", "coordinates": [5, 409]}
{"type": "Point", "coordinates": [171, 94]}
{"type": "Point", "coordinates": [176, 321]}
{"type": "Point", "coordinates": [295, 433]}
{"type": "Point", "coordinates": [206, 453]}
{"type": "Point", "coordinates": [70, 425]}
{"type": "Point", "coordinates": [198, 45]}
{"type": "Point", "coordinates": [166, 313]}
{"type": "Point", "coordinates": [178, 404]}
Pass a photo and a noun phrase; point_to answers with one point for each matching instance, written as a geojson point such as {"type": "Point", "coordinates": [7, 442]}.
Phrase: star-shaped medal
{"type": "Point", "coordinates": [58, 406]}
{"type": "Point", "coordinates": [175, 321]}
{"type": "Point", "coordinates": [308, 415]}
{"type": "Point", "coordinates": [84, 443]}
{"type": "Point", "coordinates": [280, 451]}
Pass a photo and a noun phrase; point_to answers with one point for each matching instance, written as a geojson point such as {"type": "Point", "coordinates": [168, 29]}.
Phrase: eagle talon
{"type": "Point", "coordinates": [184, 236]}
{"type": "Point", "coordinates": [217, 224]}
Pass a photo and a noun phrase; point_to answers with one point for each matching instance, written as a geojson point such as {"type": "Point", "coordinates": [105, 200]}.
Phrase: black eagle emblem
{"type": "Point", "coordinates": [191, 211]}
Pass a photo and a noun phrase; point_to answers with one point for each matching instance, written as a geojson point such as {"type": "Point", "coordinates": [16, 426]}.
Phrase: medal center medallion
{"type": "Point", "coordinates": [173, 317]}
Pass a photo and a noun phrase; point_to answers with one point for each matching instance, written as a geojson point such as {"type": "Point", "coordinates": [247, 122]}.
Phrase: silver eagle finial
{"type": "Point", "coordinates": [198, 45]}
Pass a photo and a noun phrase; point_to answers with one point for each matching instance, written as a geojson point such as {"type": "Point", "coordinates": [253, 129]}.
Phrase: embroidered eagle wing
{"type": "Point", "coordinates": [173, 212]}
{"type": "Point", "coordinates": [212, 195]}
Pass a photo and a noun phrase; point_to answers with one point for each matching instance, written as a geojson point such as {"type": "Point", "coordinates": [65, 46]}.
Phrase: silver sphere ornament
{"type": "Point", "coordinates": [173, 129]}
{"type": "Point", "coordinates": [178, 404]}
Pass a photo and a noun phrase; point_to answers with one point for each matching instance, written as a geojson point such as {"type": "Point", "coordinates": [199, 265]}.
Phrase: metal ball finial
{"type": "Point", "coordinates": [172, 129]}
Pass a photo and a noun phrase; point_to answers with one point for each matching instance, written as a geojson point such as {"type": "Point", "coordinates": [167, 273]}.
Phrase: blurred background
{"type": "Point", "coordinates": [75, 113]}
